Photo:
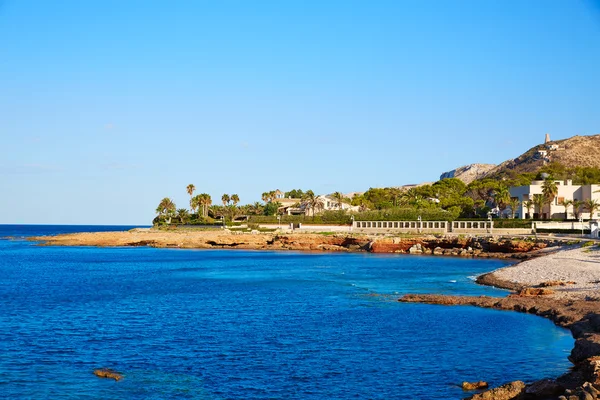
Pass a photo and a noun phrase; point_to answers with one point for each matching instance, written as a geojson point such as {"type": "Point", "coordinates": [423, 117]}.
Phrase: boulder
{"type": "Point", "coordinates": [544, 388]}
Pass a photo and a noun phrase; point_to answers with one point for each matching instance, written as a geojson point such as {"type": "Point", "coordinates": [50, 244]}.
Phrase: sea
{"type": "Point", "coordinates": [235, 324]}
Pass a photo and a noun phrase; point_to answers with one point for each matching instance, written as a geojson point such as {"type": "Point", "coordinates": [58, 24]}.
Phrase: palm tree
{"type": "Point", "coordinates": [528, 206]}
{"type": "Point", "coordinates": [205, 201]}
{"type": "Point", "coordinates": [166, 208]}
{"type": "Point", "coordinates": [235, 198]}
{"type": "Point", "coordinates": [265, 197]}
{"type": "Point", "coordinates": [183, 215]}
{"type": "Point", "coordinates": [566, 204]}
{"type": "Point", "coordinates": [338, 197]}
{"type": "Point", "coordinates": [272, 195]}
{"type": "Point", "coordinates": [190, 190]}
{"type": "Point", "coordinates": [591, 206]}
{"type": "Point", "coordinates": [225, 199]}
{"type": "Point", "coordinates": [312, 201]}
{"type": "Point", "coordinates": [256, 208]}
{"type": "Point", "coordinates": [577, 208]}
{"type": "Point", "coordinates": [396, 193]}
{"type": "Point", "coordinates": [502, 198]}
{"type": "Point", "coordinates": [549, 190]}
{"type": "Point", "coordinates": [514, 204]}
{"type": "Point", "coordinates": [196, 202]}
{"type": "Point", "coordinates": [539, 201]}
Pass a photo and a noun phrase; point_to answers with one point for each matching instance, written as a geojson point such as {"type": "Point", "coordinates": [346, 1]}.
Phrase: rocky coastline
{"type": "Point", "coordinates": [569, 304]}
{"type": "Point", "coordinates": [468, 246]}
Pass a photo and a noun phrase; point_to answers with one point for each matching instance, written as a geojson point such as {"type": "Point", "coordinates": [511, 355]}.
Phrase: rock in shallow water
{"type": "Point", "coordinates": [108, 373]}
{"type": "Point", "coordinates": [474, 385]}
{"type": "Point", "coordinates": [509, 391]}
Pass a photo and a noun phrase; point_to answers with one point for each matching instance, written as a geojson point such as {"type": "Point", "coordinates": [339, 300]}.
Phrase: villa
{"type": "Point", "coordinates": [566, 191]}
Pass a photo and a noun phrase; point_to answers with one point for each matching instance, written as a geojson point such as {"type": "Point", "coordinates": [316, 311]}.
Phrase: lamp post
{"type": "Point", "coordinates": [279, 221]}
{"type": "Point", "coordinates": [420, 224]}
{"type": "Point", "coordinates": [581, 222]}
{"type": "Point", "coordinates": [352, 222]}
{"type": "Point", "coordinates": [223, 220]}
{"type": "Point", "coordinates": [491, 221]}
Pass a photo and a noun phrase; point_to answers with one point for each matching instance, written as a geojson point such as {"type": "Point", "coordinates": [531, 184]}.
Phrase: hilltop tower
{"type": "Point", "coordinates": [547, 138]}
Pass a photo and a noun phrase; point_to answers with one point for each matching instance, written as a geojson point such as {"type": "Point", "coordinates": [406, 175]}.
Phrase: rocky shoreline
{"type": "Point", "coordinates": [568, 304]}
{"type": "Point", "coordinates": [472, 246]}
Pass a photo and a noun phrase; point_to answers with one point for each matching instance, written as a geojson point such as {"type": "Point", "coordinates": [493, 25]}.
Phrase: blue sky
{"type": "Point", "coordinates": [108, 106]}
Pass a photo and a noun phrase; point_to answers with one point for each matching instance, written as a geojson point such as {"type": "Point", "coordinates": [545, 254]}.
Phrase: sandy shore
{"type": "Point", "coordinates": [580, 267]}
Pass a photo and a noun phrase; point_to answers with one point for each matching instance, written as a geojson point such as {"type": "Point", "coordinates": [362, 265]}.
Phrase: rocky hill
{"type": "Point", "coordinates": [469, 173]}
{"type": "Point", "coordinates": [577, 151]}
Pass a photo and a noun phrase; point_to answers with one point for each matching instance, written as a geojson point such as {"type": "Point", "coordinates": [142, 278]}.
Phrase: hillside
{"type": "Point", "coordinates": [577, 151]}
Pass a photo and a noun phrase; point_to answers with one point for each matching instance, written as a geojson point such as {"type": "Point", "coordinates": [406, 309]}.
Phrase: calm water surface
{"type": "Point", "coordinates": [223, 324]}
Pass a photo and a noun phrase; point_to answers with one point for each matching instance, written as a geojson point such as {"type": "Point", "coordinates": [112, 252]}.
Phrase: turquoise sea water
{"type": "Point", "coordinates": [227, 324]}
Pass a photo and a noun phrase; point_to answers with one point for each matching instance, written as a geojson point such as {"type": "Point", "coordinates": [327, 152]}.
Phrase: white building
{"type": "Point", "coordinates": [566, 191]}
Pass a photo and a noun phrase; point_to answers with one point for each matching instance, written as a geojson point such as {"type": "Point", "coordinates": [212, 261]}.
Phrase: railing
{"type": "Point", "coordinates": [403, 226]}
{"type": "Point", "coordinates": [425, 226]}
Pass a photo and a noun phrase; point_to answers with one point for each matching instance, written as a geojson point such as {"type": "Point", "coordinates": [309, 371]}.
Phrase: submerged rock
{"type": "Point", "coordinates": [108, 373]}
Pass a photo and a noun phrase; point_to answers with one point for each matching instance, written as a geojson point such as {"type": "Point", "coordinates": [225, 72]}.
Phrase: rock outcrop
{"type": "Point", "coordinates": [469, 173]}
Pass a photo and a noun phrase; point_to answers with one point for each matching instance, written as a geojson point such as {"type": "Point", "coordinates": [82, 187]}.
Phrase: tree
{"type": "Point", "coordinates": [514, 204]}
{"type": "Point", "coordinates": [235, 199]}
{"type": "Point", "coordinates": [529, 206]}
{"type": "Point", "coordinates": [577, 205]}
{"type": "Point", "coordinates": [206, 202]}
{"type": "Point", "coordinates": [195, 203]}
{"type": "Point", "coordinates": [312, 201]}
{"type": "Point", "coordinates": [225, 199]}
{"type": "Point", "coordinates": [338, 197]}
{"type": "Point", "coordinates": [539, 201]}
{"type": "Point", "coordinates": [294, 194]}
{"type": "Point", "coordinates": [255, 208]}
{"type": "Point", "coordinates": [190, 190]}
{"type": "Point", "coordinates": [265, 197]}
{"type": "Point", "coordinates": [502, 197]}
{"type": "Point", "coordinates": [183, 215]}
{"type": "Point", "coordinates": [166, 209]}
{"type": "Point", "coordinates": [566, 204]}
{"type": "Point", "coordinates": [591, 206]}
{"type": "Point", "coordinates": [549, 190]}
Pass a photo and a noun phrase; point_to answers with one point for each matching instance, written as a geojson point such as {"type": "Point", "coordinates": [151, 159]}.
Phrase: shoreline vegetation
{"type": "Point", "coordinates": [557, 279]}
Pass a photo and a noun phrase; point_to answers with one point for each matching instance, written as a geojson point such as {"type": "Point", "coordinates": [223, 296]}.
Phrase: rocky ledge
{"type": "Point", "coordinates": [582, 317]}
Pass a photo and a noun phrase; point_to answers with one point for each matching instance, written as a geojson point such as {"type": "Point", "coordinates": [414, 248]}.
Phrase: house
{"type": "Point", "coordinates": [294, 206]}
{"type": "Point", "coordinates": [566, 191]}
{"type": "Point", "coordinates": [331, 204]}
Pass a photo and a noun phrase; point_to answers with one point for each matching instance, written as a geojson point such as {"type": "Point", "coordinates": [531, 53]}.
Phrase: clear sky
{"type": "Point", "coordinates": [107, 106]}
